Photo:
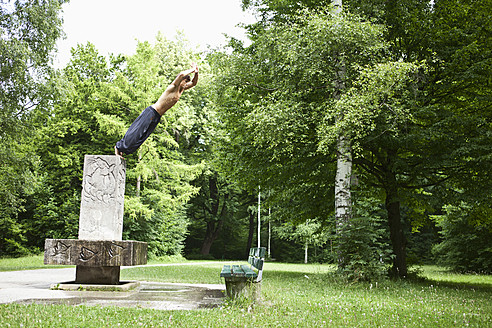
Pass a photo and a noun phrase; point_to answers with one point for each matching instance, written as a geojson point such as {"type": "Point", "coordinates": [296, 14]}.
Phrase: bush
{"type": "Point", "coordinates": [362, 252]}
{"type": "Point", "coordinates": [466, 240]}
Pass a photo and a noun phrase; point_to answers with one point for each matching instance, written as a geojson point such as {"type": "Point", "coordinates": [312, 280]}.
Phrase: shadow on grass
{"type": "Point", "coordinates": [440, 276]}
{"type": "Point", "coordinates": [478, 286]}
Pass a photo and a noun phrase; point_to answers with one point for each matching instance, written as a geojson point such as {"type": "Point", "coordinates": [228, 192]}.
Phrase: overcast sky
{"type": "Point", "coordinates": [113, 26]}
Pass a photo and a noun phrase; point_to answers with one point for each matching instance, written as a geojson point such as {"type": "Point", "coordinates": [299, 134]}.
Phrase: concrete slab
{"type": "Point", "coordinates": [123, 286]}
{"type": "Point", "coordinates": [33, 286]}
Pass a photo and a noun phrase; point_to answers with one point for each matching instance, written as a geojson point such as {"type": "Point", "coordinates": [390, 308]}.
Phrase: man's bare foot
{"type": "Point", "coordinates": [118, 153]}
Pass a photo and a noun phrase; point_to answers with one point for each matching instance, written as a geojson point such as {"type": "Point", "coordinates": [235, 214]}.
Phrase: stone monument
{"type": "Point", "coordinates": [99, 252]}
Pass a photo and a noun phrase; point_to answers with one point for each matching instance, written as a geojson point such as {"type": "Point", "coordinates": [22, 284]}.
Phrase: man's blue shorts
{"type": "Point", "coordinates": [139, 131]}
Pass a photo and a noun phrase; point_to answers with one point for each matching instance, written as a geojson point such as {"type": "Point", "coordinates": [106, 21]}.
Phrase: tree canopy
{"type": "Point", "coordinates": [28, 32]}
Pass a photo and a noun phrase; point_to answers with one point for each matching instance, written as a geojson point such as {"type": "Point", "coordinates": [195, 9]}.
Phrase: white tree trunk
{"type": "Point", "coordinates": [306, 252]}
{"type": "Point", "coordinates": [343, 201]}
{"type": "Point", "coordinates": [344, 151]}
{"type": "Point", "coordinates": [337, 6]}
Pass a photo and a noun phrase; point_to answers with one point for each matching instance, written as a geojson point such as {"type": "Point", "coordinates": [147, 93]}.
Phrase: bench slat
{"type": "Point", "coordinates": [226, 271]}
{"type": "Point", "coordinates": [248, 273]}
{"type": "Point", "coordinates": [258, 263]}
{"type": "Point", "coordinates": [237, 271]}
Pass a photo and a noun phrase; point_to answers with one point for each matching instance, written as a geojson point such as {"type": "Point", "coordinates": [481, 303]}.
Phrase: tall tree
{"type": "Point", "coordinates": [343, 199]}
{"type": "Point", "coordinates": [278, 95]}
{"type": "Point", "coordinates": [378, 113]}
{"type": "Point", "coordinates": [28, 33]}
{"type": "Point", "coordinates": [460, 88]}
{"type": "Point", "coordinates": [214, 205]}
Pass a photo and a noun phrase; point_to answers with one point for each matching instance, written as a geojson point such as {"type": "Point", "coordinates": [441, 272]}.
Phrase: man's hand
{"type": "Point", "coordinates": [192, 83]}
{"type": "Point", "coordinates": [194, 66]}
{"type": "Point", "coordinates": [193, 69]}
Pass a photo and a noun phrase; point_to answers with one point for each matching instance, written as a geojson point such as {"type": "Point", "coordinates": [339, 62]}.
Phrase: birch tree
{"type": "Point", "coordinates": [343, 200]}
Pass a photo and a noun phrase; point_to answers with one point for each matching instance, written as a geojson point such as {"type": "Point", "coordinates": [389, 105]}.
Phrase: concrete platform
{"type": "Point", "coordinates": [123, 286]}
{"type": "Point", "coordinates": [34, 286]}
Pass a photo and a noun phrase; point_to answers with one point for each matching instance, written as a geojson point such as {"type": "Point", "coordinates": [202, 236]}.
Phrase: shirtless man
{"type": "Point", "coordinates": [145, 124]}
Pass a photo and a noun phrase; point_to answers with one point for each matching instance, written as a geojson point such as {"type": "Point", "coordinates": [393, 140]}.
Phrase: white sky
{"type": "Point", "coordinates": [113, 26]}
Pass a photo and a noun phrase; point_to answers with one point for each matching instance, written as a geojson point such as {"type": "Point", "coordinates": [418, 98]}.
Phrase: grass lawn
{"type": "Point", "coordinates": [24, 263]}
{"type": "Point", "coordinates": [293, 295]}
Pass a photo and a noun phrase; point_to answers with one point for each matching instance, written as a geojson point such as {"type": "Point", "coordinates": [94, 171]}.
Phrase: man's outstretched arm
{"type": "Point", "coordinates": [173, 92]}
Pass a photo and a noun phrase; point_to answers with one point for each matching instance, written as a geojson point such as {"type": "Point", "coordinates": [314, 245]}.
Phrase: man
{"type": "Point", "coordinates": [145, 124]}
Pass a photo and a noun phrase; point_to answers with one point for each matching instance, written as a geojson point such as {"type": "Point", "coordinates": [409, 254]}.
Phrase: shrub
{"type": "Point", "coordinates": [360, 244]}
{"type": "Point", "coordinates": [466, 239]}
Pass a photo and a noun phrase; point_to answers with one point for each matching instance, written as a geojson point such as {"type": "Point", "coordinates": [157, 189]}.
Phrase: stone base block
{"type": "Point", "coordinates": [95, 253]}
{"type": "Point", "coordinates": [107, 275]}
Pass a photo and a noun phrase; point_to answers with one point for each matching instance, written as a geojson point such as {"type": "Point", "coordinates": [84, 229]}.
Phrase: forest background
{"type": "Point", "coordinates": [406, 82]}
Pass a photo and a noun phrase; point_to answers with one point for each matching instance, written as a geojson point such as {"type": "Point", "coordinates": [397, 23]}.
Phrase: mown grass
{"type": "Point", "coordinates": [292, 296]}
{"type": "Point", "coordinates": [37, 262]}
{"type": "Point", "coordinates": [25, 263]}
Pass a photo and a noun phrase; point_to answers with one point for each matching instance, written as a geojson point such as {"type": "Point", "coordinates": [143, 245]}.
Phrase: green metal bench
{"type": "Point", "coordinates": [237, 277]}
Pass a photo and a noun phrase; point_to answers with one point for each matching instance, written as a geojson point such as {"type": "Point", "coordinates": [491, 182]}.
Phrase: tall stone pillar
{"type": "Point", "coordinates": [103, 192]}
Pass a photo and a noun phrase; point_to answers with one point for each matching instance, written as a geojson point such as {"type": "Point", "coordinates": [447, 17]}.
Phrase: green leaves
{"type": "Point", "coordinates": [28, 32]}
{"type": "Point", "coordinates": [380, 102]}
{"type": "Point", "coordinates": [466, 232]}
{"type": "Point", "coordinates": [276, 97]}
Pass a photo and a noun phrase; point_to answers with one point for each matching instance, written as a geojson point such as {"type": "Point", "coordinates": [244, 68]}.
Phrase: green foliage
{"type": "Point", "coordinates": [274, 95]}
{"type": "Point", "coordinates": [28, 32]}
{"type": "Point", "coordinates": [416, 106]}
{"type": "Point", "coordinates": [305, 232]}
{"type": "Point", "coordinates": [17, 178]}
{"type": "Point", "coordinates": [380, 102]}
{"type": "Point", "coordinates": [462, 43]}
{"type": "Point", "coordinates": [466, 238]}
{"type": "Point", "coordinates": [308, 234]}
{"type": "Point", "coordinates": [278, 96]}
